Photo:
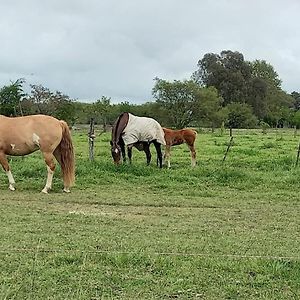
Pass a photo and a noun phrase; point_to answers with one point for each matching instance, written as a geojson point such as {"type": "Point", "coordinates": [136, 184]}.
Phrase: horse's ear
{"type": "Point", "coordinates": [111, 143]}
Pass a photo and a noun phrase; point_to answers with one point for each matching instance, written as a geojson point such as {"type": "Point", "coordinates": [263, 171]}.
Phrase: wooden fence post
{"type": "Point", "coordinates": [229, 145]}
{"type": "Point", "coordinates": [91, 136]}
{"type": "Point", "coordinates": [298, 154]}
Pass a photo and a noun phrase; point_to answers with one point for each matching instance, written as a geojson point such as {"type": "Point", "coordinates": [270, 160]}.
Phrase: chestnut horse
{"type": "Point", "coordinates": [129, 130]}
{"type": "Point", "coordinates": [20, 136]}
{"type": "Point", "coordinates": [178, 137]}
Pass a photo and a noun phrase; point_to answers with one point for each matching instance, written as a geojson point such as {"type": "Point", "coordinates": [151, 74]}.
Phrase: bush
{"type": "Point", "coordinates": [239, 115]}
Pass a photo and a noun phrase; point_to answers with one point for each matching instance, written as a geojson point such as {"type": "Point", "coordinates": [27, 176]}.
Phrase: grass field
{"type": "Point", "coordinates": [219, 231]}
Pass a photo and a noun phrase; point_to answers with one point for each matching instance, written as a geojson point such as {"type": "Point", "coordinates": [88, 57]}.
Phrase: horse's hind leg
{"type": "Point", "coordinates": [49, 160]}
{"type": "Point", "coordinates": [193, 154]}
{"type": "Point", "coordinates": [5, 165]}
{"type": "Point", "coordinates": [146, 147]}
{"type": "Point", "coordinates": [168, 154]}
{"type": "Point", "coordinates": [159, 154]}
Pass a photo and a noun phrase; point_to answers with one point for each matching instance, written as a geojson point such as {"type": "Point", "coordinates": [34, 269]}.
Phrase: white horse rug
{"type": "Point", "coordinates": [142, 129]}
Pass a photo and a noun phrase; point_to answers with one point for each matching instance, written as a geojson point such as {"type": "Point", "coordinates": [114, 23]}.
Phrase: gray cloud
{"type": "Point", "coordinates": [91, 48]}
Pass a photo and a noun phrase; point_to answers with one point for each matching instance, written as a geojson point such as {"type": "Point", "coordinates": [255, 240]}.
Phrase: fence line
{"type": "Point", "coordinates": [238, 256]}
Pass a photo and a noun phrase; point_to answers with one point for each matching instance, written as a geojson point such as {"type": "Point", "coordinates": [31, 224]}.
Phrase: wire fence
{"type": "Point", "coordinates": [183, 254]}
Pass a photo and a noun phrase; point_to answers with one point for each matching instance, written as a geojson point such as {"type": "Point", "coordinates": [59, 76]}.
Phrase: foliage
{"type": "Point", "coordinates": [10, 98]}
{"type": "Point", "coordinates": [225, 89]}
{"type": "Point", "coordinates": [263, 70]}
{"type": "Point", "coordinates": [296, 119]}
{"type": "Point", "coordinates": [279, 107]}
{"type": "Point", "coordinates": [101, 111]}
{"type": "Point", "coordinates": [239, 115]}
{"type": "Point", "coordinates": [227, 72]}
{"type": "Point", "coordinates": [208, 106]}
{"type": "Point", "coordinates": [264, 126]}
{"type": "Point", "coordinates": [43, 101]}
{"type": "Point", "coordinates": [178, 98]}
{"type": "Point", "coordinates": [296, 97]}
{"type": "Point", "coordinates": [186, 102]}
{"type": "Point", "coordinates": [238, 81]}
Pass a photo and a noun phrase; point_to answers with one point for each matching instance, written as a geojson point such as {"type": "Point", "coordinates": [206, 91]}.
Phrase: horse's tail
{"type": "Point", "coordinates": [66, 156]}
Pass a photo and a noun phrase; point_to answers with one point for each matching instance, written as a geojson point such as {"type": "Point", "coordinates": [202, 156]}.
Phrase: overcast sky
{"type": "Point", "coordinates": [92, 48]}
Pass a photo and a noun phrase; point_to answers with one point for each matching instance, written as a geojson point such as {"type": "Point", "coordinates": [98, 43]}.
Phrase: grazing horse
{"type": "Point", "coordinates": [178, 137]}
{"type": "Point", "coordinates": [20, 136]}
{"type": "Point", "coordinates": [140, 132]}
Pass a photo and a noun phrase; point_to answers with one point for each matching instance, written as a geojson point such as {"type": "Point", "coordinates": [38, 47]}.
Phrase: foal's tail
{"type": "Point", "coordinates": [66, 156]}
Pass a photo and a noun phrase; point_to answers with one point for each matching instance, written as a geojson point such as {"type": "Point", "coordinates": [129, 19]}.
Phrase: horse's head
{"type": "Point", "coordinates": [115, 152]}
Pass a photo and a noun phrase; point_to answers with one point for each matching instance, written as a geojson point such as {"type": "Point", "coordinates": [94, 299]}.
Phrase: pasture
{"type": "Point", "coordinates": [219, 231]}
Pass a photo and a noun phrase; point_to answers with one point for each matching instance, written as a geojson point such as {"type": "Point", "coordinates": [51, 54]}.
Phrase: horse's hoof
{"type": "Point", "coordinates": [45, 191]}
{"type": "Point", "coordinates": [11, 187]}
{"type": "Point", "coordinates": [65, 190]}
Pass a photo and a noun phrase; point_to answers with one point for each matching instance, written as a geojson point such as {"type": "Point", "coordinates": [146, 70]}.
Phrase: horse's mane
{"type": "Point", "coordinates": [115, 130]}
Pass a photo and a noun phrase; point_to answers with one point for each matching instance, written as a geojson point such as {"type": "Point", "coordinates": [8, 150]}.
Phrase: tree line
{"type": "Point", "coordinates": [224, 90]}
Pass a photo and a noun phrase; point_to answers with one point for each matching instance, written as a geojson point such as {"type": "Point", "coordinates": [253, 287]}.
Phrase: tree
{"type": "Point", "coordinates": [40, 97]}
{"type": "Point", "coordinates": [62, 107]}
{"type": "Point", "coordinates": [279, 107]}
{"type": "Point", "coordinates": [55, 104]}
{"type": "Point", "coordinates": [101, 109]}
{"type": "Point", "coordinates": [178, 98]}
{"type": "Point", "coordinates": [257, 92]}
{"type": "Point", "coordinates": [208, 105]}
{"type": "Point", "coordinates": [263, 70]}
{"type": "Point", "coordinates": [228, 72]}
{"type": "Point", "coordinates": [239, 115]}
{"type": "Point", "coordinates": [296, 96]}
{"type": "Point", "coordinates": [10, 98]}
{"type": "Point", "coordinates": [296, 119]}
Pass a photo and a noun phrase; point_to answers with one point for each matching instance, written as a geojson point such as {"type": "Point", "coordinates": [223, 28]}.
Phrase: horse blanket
{"type": "Point", "coordinates": [142, 129]}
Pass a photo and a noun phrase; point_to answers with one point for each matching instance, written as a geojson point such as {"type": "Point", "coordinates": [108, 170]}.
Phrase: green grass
{"type": "Point", "coordinates": [219, 231]}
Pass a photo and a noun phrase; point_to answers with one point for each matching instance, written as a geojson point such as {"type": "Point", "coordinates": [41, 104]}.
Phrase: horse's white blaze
{"type": "Point", "coordinates": [116, 150]}
{"type": "Point", "coordinates": [36, 139]}
{"type": "Point", "coordinates": [49, 181]}
{"type": "Point", "coordinates": [10, 180]}
{"type": "Point", "coordinates": [13, 146]}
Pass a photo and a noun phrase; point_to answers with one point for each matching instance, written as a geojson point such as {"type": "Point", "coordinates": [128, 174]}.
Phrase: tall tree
{"type": "Point", "coordinates": [227, 72]}
{"type": "Point", "coordinates": [263, 70]}
{"type": "Point", "coordinates": [296, 96]}
{"type": "Point", "coordinates": [256, 98]}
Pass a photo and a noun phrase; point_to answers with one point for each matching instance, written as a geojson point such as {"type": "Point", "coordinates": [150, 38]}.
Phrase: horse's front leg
{"type": "Point", "coordinates": [123, 152]}
{"type": "Point", "coordinates": [5, 165]}
{"type": "Point", "coordinates": [49, 160]}
{"type": "Point", "coordinates": [129, 152]}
